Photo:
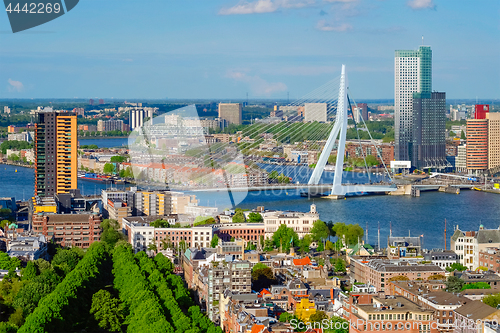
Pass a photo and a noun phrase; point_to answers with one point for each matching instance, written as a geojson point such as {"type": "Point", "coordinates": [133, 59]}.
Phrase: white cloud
{"type": "Point", "coordinates": [264, 6]}
{"type": "Point", "coordinates": [15, 86]}
{"type": "Point", "coordinates": [421, 4]}
{"type": "Point", "coordinates": [324, 26]}
{"type": "Point", "coordinates": [258, 85]}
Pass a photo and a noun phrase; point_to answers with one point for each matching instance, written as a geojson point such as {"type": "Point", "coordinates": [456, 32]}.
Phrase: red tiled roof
{"type": "Point", "coordinates": [257, 328]}
{"type": "Point", "coordinates": [302, 262]}
{"type": "Point", "coordinates": [264, 292]}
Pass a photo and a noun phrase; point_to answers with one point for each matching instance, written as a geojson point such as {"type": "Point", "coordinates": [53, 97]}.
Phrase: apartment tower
{"type": "Point", "coordinates": [413, 73]}
{"type": "Point", "coordinates": [231, 112]}
{"type": "Point", "coordinates": [483, 140]}
{"type": "Point", "coordinates": [55, 152]}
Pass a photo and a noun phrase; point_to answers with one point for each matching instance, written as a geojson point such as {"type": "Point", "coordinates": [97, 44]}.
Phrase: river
{"type": "Point", "coordinates": [105, 143]}
{"type": "Point", "coordinates": [423, 215]}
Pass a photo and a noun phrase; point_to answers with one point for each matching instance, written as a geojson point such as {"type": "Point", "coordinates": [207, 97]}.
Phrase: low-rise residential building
{"type": "Point", "coordinates": [29, 247]}
{"type": "Point", "coordinates": [23, 136]}
{"type": "Point", "coordinates": [153, 203]}
{"type": "Point", "coordinates": [468, 244]}
{"type": "Point", "coordinates": [378, 272]}
{"type": "Point", "coordinates": [431, 295]}
{"type": "Point", "coordinates": [369, 313]}
{"type": "Point", "coordinates": [117, 210]}
{"type": "Point", "coordinates": [248, 231]}
{"type": "Point", "coordinates": [400, 247]}
{"type": "Point", "coordinates": [301, 223]}
{"type": "Point", "coordinates": [70, 230]}
{"type": "Point", "coordinates": [488, 277]}
{"type": "Point", "coordinates": [442, 259]}
{"type": "Point", "coordinates": [476, 317]}
{"type": "Point", "coordinates": [490, 258]}
{"type": "Point", "coordinates": [141, 233]}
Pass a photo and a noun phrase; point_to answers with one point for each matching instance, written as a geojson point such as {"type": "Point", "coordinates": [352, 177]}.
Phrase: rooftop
{"type": "Point", "coordinates": [402, 266]}
{"type": "Point", "coordinates": [475, 310]}
{"type": "Point", "coordinates": [391, 304]}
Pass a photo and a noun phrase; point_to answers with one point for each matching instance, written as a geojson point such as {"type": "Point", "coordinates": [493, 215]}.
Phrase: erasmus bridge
{"type": "Point", "coordinates": [172, 144]}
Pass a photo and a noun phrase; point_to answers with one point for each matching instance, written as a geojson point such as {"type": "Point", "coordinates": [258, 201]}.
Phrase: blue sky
{"type": "Point", "coordinates": [224, 49]}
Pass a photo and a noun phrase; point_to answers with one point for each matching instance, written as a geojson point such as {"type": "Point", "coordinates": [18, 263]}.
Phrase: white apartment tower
{"type": "Point", "coordinates": [413, 74]}
{"type": "Point", "coordinates": [137, 116]}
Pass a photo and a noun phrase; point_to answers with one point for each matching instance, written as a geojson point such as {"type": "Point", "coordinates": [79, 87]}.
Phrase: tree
{"type": "Point", "coordinates": [214, 242]}
{"type": "Point", "coordinates": [262, 277]}
{"type": "Point", "coordinates": [285, 317]}
{"type": "Point", "coordinates": [351, 233]}
{"type": "Point", "coordinates": [108, 168]}
{"type": "Point", "coordinates": [9, 263]}
{"type": "Point", "coordinates": [30, 294]}
{"type": "Point", "coordinates": [492, 300]}
{"type": "Point", "coordinates": [476, 285]}
{"type": "Point", "coordinates": [462, 136]}
{"type": "Point", "coordinates": [201, 220]}
{"type": "Point", "coordinates": [437, 277]}
{"type": "Point", "coordinates": [371, 161]}
{"type": "Point", "coordinates": [254, 217]}
{"type": "Point", "coordinates": [251, 246]}
{"type": "Point", "coordinates": [318, 317]}
{"type": "Point", "coordinates": [6, 327]}
{"type": "Point", "coordinates": [239, 216]}
{"type": "Point", "coordinates": [284, 237]}
{"type": "Point", "coordinates": [29, 272]}
{"type": "Point", "coordinates": [305, 243]}
{"type": "Point", "coordinates": [67, 259]}
{"type": "Point", "coordinates": [456, 267]}
{"type": "Point", "coordinates": [268, 245]}
{"type": "Point", "coordinates": [118, 159]}
{"type": "Point", "coordinates": [319, 231]}
{"type": "Point", "coordinates": [183, 246]}
{"type": "Point", "coordinates": [329, 246]}
{"type": "Point", "coordinates": [110, 233]}
{"type": "Point", "coordinates": [152, 247]}
{"type": "Point", "coordinates": [107, 311]}
{"type": "Point", "coordinates": [160, 223]}
{"type": "Point", "coordinates": [337, 325]}
{"type": "Point", "coordinates": [340, 265]}
{"type": "Point", "coordinates": [17, 318]}
{"type": "Point", "coordinates": [4, 224]}
{"type": "Point", "coordinates": [454, 284]}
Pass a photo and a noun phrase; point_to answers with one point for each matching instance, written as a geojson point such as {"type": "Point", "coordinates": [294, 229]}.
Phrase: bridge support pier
{"type": "Point", "coordinates": [335, 197]}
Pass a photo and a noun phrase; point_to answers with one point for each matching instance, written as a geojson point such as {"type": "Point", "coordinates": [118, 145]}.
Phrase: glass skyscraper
{"type": "Point", "coordinates": [413, 74]}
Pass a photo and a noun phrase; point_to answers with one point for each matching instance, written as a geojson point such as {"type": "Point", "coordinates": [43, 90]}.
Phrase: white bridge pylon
{"type": "Point", "coordinates": [340, 126]}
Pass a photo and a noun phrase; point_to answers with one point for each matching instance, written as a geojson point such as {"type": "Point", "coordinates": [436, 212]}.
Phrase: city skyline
{"type": "Point", "coordinates": [264, 48]}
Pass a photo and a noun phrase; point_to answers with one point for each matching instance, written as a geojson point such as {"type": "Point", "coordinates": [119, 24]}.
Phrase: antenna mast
{"type": "Point", "coordinates": [445, 234]}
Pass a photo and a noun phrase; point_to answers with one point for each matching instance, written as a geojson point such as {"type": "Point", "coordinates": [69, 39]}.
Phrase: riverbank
{"type": "Point", "coordinates": [17, 164]}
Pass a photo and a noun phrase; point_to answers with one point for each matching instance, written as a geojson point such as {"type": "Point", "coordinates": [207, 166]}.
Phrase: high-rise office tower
{"type": "Point", "coordinates": [428, 146]}
{"type": "Point", "coordinates": [413, 73]}
{"type": "Point", "coordinates": [55, 152]}
{"type": "Point", "coordinates": [231, 112]}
